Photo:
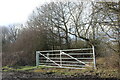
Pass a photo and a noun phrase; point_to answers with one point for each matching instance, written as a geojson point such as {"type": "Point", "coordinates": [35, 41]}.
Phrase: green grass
{"type": "Point", "coordinates": [26, 68]}
{"type": "Point", "coordinates": [22, 68]}
{"type": "Point", "coordinates": [18, 68]}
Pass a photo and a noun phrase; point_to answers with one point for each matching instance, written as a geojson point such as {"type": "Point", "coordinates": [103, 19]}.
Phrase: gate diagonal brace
{"type": "Point", "coordinates": [75, 59]}
{"type": "Point", "coordinates": [50, 60]}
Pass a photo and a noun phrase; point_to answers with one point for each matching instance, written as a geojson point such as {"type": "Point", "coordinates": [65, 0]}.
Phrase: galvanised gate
{"type": "Point", "coordinates": [70, 58]}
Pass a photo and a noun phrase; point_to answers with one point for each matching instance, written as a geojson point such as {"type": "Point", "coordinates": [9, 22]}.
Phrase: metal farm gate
{"type": "Point", "coordinates": [70, 58]}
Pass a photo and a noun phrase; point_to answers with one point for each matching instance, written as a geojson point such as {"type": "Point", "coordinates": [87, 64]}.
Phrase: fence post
{"type": "Point", "coordinates": [94, 60]}
{"type": "Point", "coordinates": [60, 57]}
{"type": "Point", "coordinates": [37, 58]}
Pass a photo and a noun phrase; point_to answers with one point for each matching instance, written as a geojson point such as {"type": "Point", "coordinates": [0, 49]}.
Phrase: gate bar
{"type": "Point", "coordinates": [50, 60]}
{"type": "Point", "coordinates": [66, 50]}
{"type": "Point", "coordinates": [75, 58]}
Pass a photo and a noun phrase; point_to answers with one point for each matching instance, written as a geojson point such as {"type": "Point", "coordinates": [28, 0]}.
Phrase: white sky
{"type": "Point", "coordinates": [17, 11]}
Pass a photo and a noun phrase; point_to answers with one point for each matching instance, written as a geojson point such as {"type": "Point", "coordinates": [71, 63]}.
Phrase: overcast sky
{"type": "Point", "coordinates": [17, 11]}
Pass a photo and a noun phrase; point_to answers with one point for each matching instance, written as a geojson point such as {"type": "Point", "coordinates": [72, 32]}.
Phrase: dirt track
{"type": "Point", "coordinates": [48, 76]}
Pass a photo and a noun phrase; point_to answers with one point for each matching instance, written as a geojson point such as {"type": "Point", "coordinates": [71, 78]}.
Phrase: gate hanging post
{"type": "Point", "coordinates": [37, 58]}
{"type": "Point", "coordinates": [94, 57]}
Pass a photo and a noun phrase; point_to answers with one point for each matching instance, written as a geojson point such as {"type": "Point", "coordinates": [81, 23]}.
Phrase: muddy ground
{"type": "Point", "coordinates": [48, 76]}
